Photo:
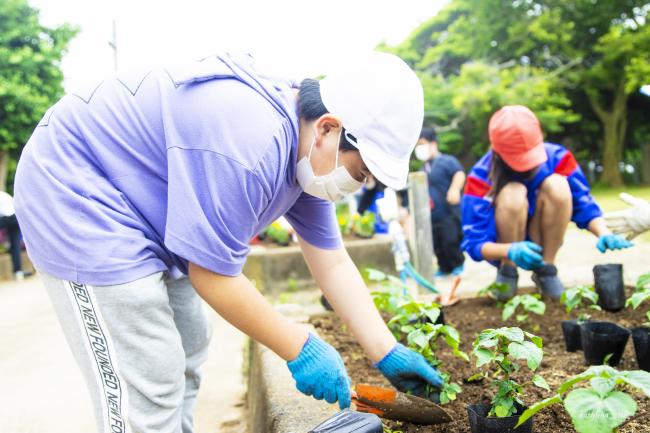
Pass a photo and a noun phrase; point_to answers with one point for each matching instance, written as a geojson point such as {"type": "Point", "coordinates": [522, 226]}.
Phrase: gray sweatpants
{"type": "Point", "coordinates": [139, 346]}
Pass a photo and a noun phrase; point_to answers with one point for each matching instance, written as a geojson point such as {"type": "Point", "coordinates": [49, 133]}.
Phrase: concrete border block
{"type": "Point", "coordinates": [274, 270]}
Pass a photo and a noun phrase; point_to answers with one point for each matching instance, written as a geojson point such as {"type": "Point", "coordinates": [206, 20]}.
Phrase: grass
{"type": "Point", "coordinates": [608, 200]}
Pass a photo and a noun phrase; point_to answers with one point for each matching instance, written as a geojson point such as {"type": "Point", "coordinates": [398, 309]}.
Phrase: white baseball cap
{"type": "Point", "coordinates": [380, 102]}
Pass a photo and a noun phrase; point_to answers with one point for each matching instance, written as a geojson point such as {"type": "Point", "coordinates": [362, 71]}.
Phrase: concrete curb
{"type": "Point", "coordinates": [274, 270]}
{"type": "Point", "coordinates": [274, 403]}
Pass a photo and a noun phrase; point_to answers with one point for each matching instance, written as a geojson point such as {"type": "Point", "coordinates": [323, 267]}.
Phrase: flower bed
{"type": "Point", "coordinates": [469, 318]}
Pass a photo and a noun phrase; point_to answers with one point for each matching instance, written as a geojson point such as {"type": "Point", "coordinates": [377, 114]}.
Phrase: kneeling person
{"type": "Point", "coordinates": [519, 199]}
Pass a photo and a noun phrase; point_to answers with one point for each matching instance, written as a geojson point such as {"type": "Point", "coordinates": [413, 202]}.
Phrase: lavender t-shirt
{"type": "Point", "coordinates": [151, 169]}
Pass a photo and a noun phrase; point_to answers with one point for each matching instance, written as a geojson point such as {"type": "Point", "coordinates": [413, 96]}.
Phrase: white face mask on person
{"type": "Point", "coordinates": [333, 186]}
{"type": "Point", "coordinates": [422, 152]}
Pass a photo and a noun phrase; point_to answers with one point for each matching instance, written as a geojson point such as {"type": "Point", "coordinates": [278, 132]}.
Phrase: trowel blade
{"type": "Point", "coordinates": [391, 404]}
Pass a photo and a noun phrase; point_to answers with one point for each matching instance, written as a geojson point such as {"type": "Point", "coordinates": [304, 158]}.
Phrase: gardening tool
{"type": "Point", "coordinates": [391, 404]}
{"type": "Point", "coordinates": [450, 298]}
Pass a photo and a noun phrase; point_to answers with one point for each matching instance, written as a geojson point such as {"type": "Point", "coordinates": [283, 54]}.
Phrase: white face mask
{"type": "Point", "coordinates": [422, 152]}
{"type": "Point", "coordinates": [333, 186]}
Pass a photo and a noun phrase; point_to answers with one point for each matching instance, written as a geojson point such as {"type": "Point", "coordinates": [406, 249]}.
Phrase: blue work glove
{"type": "Point", "coordinates": [610, 241]}
{"type": "Point", "coordinates": [319, 371]}
{"type": "Point", "coordinates": [408, 371]}
{"type": "Point", "coordinates": [526, 255]}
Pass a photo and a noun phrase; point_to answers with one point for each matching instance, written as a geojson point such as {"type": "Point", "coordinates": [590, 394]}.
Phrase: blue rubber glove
{"type": "Point", "coordinates": [408, 371]}
{"type": "Point", "coordinates": [526, 255]}
{"type": "Point", "coordinates": [319, 371]}
{"type": "Point", "coordinates": [611, 241]}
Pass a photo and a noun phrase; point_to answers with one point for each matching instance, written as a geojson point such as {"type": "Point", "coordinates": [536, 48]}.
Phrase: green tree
{"type": "Point", "coordinates": [592, 54]}
{"type": "Point", "coordinates": [30, 76]}
{"type": "Point", "coordinates": [622, 64]}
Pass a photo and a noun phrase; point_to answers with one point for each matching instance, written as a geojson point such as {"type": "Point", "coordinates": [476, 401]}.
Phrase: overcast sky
{"type": "Point", "coordinates": [300, 36]}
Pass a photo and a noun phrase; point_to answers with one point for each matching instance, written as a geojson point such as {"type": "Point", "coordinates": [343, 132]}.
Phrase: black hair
{"type": "Point", "coordinates": [311, 107]}
{"type": "Point", "coordinates": [310, 104]}
{"type": "Point", "coordinates": [429, 134]}
{"type": "Point", "coordinates": [501, 173]}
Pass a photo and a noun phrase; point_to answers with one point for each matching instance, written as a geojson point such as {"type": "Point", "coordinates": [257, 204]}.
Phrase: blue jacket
{"type": "Point", "coordinates": [479, 225]}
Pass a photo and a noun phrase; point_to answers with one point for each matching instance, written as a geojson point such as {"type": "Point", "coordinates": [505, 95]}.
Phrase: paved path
{"type": "Point", "coordinates": [43, 392]}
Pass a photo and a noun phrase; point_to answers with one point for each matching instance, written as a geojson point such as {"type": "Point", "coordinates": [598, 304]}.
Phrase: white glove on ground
{"type": "Point", "coordinates": [630, 222]}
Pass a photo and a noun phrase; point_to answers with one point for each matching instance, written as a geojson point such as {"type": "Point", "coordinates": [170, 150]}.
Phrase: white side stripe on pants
{"type": "Point", "coordinates": [99, 347]}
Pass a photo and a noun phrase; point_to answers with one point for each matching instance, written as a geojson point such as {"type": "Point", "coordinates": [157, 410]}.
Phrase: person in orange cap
{"type": "Point", "coordinates": [519, 199]}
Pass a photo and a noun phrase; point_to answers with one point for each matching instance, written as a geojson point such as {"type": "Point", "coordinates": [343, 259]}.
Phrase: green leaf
{"type": "Point", "coordinates": [475, 377]}
{"type": "Point", "coordinates": [521, 317]}
{"type": "Point", "coordinates": [643, 282]}
{"type": "Point", "coordinates": [637, 378]}
{"type": "Point", "coordinates": [512, 334]}
{"type": "Point", "coordinates": [483, 356]}
{"type": "Point", "coordinates": [566, 386]}
{"type": "Point", "coordinates": [532, 410]}
{"type": "Point", "coordinates": [491, 342]}
{"type": "Point", "coordinates": [487, 334]}
{"type": "Point", "coordinates": [452, 337]}
{"type": "Point", "coordinates": [418, 338]}
{"type": "Point", "coordinates": [591, 413]}
{"type": "Point", "coordinates": [502, 411]}
{"type": "Point", "coordinates": [533, 304]}
{"type": "Point", "coordinates": [607, 358]}
{"type": "Point", "coordinates": [637, 299]}
{"type": "Point", "coordinates": [462, 355]}
{"type": "Point", "coordinates": [603, 385]}
{"type": "Point", "coordinates": [528, 351]}
{"type": "Point", "coordinates": [537, 341]}
{"type": "Point", "coordinates": [540, 382]}
{"type": "Point", "coordinates": [508, 311]}
{"type": "Point", "coordinates": [432, 314]}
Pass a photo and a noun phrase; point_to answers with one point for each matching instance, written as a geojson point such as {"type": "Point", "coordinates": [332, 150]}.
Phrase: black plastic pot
{"type": "Point", "coordinates": [572, 338]}
{"type": "Point", "coordinates": [348, 421]}
{"type": "Point", "coordinates": [609, 285]}
{"type": "Point", "coordinates": [479, 422]}
{"type": "Point", "coordinates": [641, 338]}
{"type": "Point", "coordinates": [599, 339]}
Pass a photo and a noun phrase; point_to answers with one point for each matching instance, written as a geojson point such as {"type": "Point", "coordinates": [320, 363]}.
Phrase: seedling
{"type": "Point", "coordinates": [501, 349]}
{"type": "Point", "coordinates": [414, 322]}
{"type": "Point", "coordinates": [390, 293]}
{"type": "Point", "coordinates": [641, 295]}
{"type": "Point", "coordinates": [424, 340]}
{"type": "Point", "coordinates": [574, 298]}
{"type": "Point", "coordinates": [603, 406]}
{"type": "Point", "coordinates": [492, 289]}
{"type": "Point", "coordinates": [364, 225]}
{"type": "Point", "coordinates": [528, 303]}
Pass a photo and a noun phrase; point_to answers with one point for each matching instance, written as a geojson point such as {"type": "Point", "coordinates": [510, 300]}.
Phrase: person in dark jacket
{"type": "Point", "coordinates": [519, 199]}
{"type": "Point", "coordinates": [446, 179]}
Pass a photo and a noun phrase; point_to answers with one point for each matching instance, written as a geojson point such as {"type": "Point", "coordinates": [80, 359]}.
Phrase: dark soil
{"type": "Point", "coordinates": [471, 316]}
